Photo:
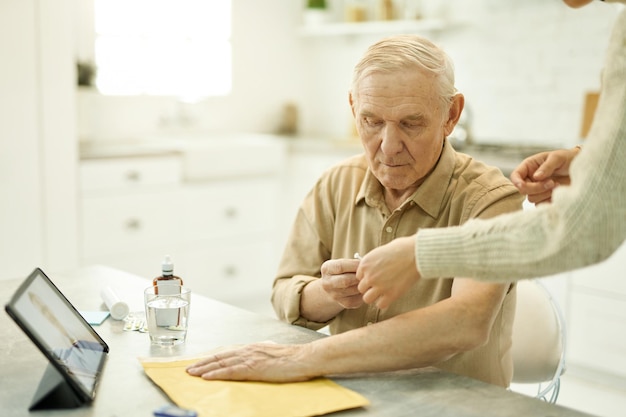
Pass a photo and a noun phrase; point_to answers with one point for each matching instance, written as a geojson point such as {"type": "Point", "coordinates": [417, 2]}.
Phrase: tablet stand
{"type": "Point", "coordinates": [54, 392]}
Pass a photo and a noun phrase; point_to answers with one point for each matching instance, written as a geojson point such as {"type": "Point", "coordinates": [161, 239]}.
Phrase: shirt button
{"type": "Point", "coordinates": [369, 323]}
{"type": "Point", "coordinates": [389, 229]}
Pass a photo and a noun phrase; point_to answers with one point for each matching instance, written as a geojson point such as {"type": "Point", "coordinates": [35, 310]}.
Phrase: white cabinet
{"type": "Point", "coordinates": [129, 212]}
{"type": "Point", "coordinates": [129, 173]}
{"type": "Point", "coordinates": [230, 249]}
{"type": "Point", "coordinates": [220, 231]}
{"type": "Point", "coordinates": [229, 207]}
{"type": "Point", "coordinates": [128, 222]}
{"type": "Point", "coordinates": [237, 270]}
{"type": "Point", "coordinates": [597, 316]}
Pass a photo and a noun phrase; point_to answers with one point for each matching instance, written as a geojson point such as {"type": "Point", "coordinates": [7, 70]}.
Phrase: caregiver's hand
{"type": "Point", "coordinates": [538, 175]}
{"type": "Point", "coordinates": [388, 271]}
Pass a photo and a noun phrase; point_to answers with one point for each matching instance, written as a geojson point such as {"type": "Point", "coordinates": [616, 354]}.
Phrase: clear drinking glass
{"type": "Point", "coordinates": [167, 313]}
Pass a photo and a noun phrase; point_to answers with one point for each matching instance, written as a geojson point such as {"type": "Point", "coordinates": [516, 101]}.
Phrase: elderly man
{"type": "Point", "coordinates": [405, 105]}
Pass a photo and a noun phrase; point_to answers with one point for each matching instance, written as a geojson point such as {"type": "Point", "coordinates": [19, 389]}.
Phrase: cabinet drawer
{"type": "Point", "coordinates": [231, 271]}
{"type": "Point", "coordinates": [230, 208]}
{"type": "Point", "coordinates": [122, 223]}
{"type": "Point", "coordinates": [597, 333]}
{"type": "Point", "coordinates": [121, 173]}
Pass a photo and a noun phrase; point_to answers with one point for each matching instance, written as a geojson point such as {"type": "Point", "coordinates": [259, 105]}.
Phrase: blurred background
{"type": "Point", "coordinates": [132, 129]}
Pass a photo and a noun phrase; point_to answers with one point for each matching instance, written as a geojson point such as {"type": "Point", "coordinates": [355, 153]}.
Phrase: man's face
{"type": "Point", "coordinates": [401, 124]}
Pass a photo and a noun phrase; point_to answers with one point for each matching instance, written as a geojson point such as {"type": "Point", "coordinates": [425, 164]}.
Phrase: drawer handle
{"type": "Point", "coordinates": [133, 175]}
{"type": "Point", "coordinates": [230, 212]}
{"type": "Point", "coordinates": [133, 224]}
{"type": "Point", "coordinates": [230, 271]}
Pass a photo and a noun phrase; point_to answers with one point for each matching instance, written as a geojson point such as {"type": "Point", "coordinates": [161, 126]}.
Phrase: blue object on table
{"type": "Point", "coordinates": [95, 318]}
{"type": "Point", "coordinates": [173, 411]}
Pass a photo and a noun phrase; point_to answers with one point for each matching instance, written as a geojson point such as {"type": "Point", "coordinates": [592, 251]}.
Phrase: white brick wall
{"type": "Point", "coordinates": [524, 67]}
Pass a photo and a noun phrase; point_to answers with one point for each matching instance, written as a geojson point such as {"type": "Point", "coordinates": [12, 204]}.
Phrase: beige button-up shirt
{"type": "Point", "coordinates": [345, 212]}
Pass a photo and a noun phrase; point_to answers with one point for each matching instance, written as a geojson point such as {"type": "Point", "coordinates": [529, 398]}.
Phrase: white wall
{"type": "Point", "coordinates": [37, 138]}
{"type": "Point", "coordinates": [524, 67]}
{"type": "Point", "coordinates": [266, 75]}
{"type": "Point", "coordinates": [21, 202]}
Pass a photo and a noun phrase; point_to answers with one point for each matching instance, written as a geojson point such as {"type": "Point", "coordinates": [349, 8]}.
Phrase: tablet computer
{"type": "Point", "coordinates": [76, 353]}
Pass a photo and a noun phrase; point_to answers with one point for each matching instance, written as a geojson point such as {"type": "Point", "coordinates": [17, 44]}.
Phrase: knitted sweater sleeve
{"type": "Point", "coordinates": [584, 224]}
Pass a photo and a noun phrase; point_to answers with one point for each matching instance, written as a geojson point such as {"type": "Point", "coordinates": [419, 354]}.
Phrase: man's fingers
{"type": "Point", "coordinates": [339, 266]}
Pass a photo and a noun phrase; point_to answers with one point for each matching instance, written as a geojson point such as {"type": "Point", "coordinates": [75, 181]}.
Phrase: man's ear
{"type": "Point", "coordinates": [351, 101]}
{"type": "Point", "coordinates": [454, 113]}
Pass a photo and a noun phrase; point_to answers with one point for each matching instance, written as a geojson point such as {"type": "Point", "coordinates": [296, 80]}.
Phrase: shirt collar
{"type": "Point", "coordinates": [431, 193]}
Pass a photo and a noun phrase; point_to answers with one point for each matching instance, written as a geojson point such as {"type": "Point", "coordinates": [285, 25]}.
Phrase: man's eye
{"type": "Point", "coordinates": [412, 125]}
{"type": "Point", "coordinates": [372, 122]}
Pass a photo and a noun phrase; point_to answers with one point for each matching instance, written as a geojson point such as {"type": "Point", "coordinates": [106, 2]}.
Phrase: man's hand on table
{"type": "Point", "coordinates": [256, 362]}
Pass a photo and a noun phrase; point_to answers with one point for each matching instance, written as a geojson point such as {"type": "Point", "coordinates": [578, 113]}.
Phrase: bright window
{"type": "Point", "coordinates": [163, 47]}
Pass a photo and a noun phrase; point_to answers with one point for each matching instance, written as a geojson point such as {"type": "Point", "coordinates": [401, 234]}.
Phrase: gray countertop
{"type": "Point", "coordinates": [126, 391]}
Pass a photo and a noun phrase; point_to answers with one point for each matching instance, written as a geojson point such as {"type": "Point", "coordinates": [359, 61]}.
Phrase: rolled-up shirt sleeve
{"type": "Point", "coordinates": [305, 251]}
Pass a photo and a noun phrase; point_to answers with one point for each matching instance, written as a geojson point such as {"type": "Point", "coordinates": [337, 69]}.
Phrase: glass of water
{"type": "Point", "coordinates": [167, 313]}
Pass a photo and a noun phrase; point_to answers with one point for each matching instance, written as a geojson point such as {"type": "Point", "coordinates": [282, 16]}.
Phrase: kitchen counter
{"type": "Point", "coordinates": [124, 148]}
{"type": "Point", "coordinates": [172, 143]}
{"type": "Point", "coordinates": [200, 156]}
{"type": "Point", "coordinates": [505, 157]}
{"type": "Point", "coordinates": [417, 392]}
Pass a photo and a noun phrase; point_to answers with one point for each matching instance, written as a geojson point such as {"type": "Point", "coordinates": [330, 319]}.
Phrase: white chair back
{"type": "Point", "coordinates": [538, 340]}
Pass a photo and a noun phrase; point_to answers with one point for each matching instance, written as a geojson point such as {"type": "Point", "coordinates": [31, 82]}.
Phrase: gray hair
{"type": "Point", "coordinates": [406, 51]}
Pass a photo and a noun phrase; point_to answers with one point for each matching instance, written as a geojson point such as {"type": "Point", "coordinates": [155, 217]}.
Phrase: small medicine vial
{"type": "Point", "coordinates": [167, 274]}
{"type": "Point", "coordinates": [168, 288]}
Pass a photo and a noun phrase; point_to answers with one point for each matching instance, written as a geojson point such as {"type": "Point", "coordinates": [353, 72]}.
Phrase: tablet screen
{"type": "Point", "coordinates": [60, 332]}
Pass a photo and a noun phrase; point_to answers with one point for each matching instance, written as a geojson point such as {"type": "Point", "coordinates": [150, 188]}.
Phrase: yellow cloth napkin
{"type": "Point", "coordinates": [249, 399]}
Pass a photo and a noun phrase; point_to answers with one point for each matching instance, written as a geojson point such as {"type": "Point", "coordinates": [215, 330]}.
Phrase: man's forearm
{"type": "Point", "coordinates": [406, 341]}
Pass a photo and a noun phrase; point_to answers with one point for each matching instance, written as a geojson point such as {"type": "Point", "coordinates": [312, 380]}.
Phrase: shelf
{"type": "Point", "coordinates": [374, 27]}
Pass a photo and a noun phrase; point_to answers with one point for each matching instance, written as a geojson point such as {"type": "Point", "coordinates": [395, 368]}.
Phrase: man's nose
{"type": "Point", "coordinates": [391, 139]}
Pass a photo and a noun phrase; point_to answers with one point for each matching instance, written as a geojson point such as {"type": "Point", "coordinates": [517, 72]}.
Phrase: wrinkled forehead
{"type": "Point", "coordinates": [398, 83]}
